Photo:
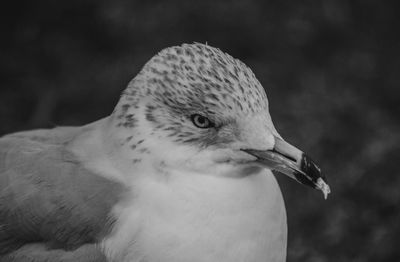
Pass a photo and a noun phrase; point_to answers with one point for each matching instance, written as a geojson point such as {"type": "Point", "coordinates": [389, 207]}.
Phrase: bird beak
{"type": "Point", "coordinates": [292, 162]}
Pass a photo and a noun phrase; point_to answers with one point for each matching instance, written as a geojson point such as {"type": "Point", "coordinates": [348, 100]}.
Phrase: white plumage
{"type": "Point", "coordinates": [180, 171]}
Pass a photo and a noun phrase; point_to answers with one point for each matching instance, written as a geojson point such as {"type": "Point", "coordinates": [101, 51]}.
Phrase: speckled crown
{"type": "Point", "coordinates": [197, 75]}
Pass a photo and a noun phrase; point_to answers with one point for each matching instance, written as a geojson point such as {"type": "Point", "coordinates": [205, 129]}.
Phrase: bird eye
{"type": "Point", "coordinates": [201, 121]}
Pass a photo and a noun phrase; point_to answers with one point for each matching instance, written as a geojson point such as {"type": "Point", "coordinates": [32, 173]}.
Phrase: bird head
{"type": "Point", "coordinates": [195, 108]}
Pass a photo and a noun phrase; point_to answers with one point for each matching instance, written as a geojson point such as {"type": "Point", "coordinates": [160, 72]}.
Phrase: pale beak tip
{"type": "Point", "coordinates": [321, 185]}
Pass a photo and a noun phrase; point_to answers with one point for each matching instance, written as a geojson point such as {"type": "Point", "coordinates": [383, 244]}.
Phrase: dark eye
{"type": "Point", "coordinates": [201, 121]}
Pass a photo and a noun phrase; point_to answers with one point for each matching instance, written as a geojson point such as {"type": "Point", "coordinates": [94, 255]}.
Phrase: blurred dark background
{"type": "Point", "coordinates": [330, 68]}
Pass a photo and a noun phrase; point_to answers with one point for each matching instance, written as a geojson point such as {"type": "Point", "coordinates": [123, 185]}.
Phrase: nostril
{"type": "Point", "coordinates": [285, 155]}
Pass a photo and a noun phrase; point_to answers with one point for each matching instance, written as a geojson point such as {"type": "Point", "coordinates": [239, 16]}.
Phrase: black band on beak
{"type": "Point", "coordinates": [313, 172]}
{"type": "Point", "coordinates": [290, 161]}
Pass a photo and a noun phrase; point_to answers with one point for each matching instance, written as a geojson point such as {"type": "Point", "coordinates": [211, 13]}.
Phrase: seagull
{"type": "Point", "coordinates": [180, 171]}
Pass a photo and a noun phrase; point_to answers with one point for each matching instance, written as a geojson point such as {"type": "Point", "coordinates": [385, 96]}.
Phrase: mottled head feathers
{"type": "Point", "coordinates": [192, 79]}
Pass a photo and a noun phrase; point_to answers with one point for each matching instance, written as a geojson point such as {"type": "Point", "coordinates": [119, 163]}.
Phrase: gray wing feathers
{"type": "Point", "coordinates": [39, 253]}
{"type": "Point", "coordinates": [47, 196]}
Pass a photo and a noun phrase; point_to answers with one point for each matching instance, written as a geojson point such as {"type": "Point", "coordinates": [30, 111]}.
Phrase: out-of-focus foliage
{"type": "Point", "coordinates": [330, 68]}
